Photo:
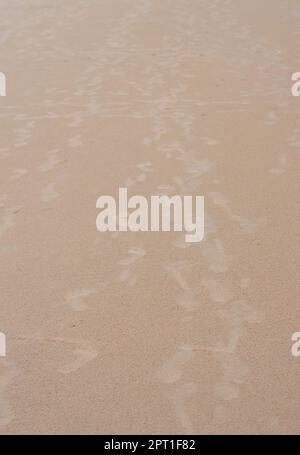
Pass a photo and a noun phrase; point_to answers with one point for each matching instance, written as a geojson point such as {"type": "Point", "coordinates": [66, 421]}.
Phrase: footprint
{"type": "Point", "coordinates": [234, 370]}
{"type": "Point", "coordinates": [135, 253]}
{"type": "Point", "coordinates": [51, 162]}
{"type": "Point", "coordinates": [175, 270]}
{"type": "Point", "coordinates": [77, 120]}
{"type": "Point", "coordinates": [173, 368]}
{"type": "Point", "coordinates": [197, 168]}
{"type": "Point", "coordinates": [3, 198]}
{"type": "Point", "coordinates": [84, 353]}
{"type": "Point", "coordinates": [281, 165]}
{"type": "Point", "coordinates": [165, 189]}
{"type": "Point", "coordinates": [129, 182]}
{"type": "Point", "coordinates": [188, 300]}
{"type": "Point", "coordinates": [217, 292]}
{"type": "Point", "coordinates": [235, 373]}
{"type": "Point", "coordinates": [209, 141]}
{"type": "Point", "coordinates": [215, 255]}
{"type": "Point", "coordinates": [17, 173]}
{"type": "Point", "coordinates": [239, 311]}
{"type": "Point", "coordinates": [249, 227]}
{"type": "Point", "coordinates": [4, 151]}
{"type": "Point", "coordinates": [49, 193]}
{"type": "Point", "coordinates": [75, 141]}
{"type": "Point", "coordinates": [76, 299]}
{"type": "Point", "coordinates": [20, 144]}
{"type": "Point", "coordinates": [170, 150]}
{"type": "Point", "coordinates": [294, 140]}
{"type": "Point", "coordinates": [219, 199]}
{"type": "Point", "coordinates": [83, 356]}
{"type": "Point", "coordinates": [180, 242]}
{"type": "Point", "coordinates": [271, 118]}
{"type": "Point", "coordinates": [141, 177]}
{"type": "Point", "coordinates": [124, 275]}
{"type": "Point", "coordinates": [146, 166]}
{"type": "Point", "coordinates": [127, 277]}
{"type": "Point", "coordinates": [7, 223]}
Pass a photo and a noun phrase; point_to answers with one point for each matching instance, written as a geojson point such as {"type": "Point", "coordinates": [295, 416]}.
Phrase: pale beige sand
{"type": "Point", "coordinates": [141, 332]}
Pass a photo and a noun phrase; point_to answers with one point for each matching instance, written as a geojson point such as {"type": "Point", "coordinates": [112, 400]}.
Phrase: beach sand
{"type": "Point", "coordinates": [143, 333]}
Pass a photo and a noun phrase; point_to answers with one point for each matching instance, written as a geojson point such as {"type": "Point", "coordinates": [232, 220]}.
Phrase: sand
{"type": "Point", "coordinates": [142, 333]}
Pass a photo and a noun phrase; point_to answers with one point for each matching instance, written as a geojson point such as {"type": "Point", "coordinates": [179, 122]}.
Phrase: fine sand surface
{"type": "Point", "coordinates": [142, 332]}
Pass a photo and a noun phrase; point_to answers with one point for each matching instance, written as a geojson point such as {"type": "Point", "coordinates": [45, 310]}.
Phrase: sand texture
{"type": "Point", "coordinates": [144, 333]}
